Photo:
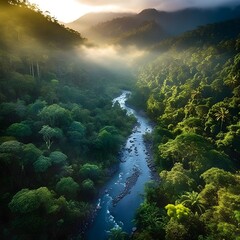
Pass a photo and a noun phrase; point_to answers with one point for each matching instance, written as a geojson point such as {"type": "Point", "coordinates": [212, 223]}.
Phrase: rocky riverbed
{"type": "Point", "coordinates": [130, 182]}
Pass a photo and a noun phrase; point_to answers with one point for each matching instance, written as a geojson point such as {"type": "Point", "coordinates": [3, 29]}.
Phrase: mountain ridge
{"type": "Point", "coordinates": [171, 23]}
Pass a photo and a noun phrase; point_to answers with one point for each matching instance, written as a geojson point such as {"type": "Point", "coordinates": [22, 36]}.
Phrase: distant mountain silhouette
{"type": "Point", "coordinates": [91, 19]}
{"type": "Point", "coordinates": [136, 28]}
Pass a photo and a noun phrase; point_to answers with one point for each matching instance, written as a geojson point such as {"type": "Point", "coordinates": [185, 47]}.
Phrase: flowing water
{"type": "Point", "coordinates": [124, 192]}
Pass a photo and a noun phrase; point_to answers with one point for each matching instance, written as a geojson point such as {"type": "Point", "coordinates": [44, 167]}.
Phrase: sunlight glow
{"type": "Point", "coordinates": [65, 11]}
{"type": "Point", "coordinates": [69, 10]}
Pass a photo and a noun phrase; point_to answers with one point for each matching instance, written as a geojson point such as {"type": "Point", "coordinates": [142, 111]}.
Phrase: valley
{"type": "Point", "coordinates": [121, 124]}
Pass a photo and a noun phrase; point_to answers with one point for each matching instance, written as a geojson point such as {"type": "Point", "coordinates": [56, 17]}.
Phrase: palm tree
{"type": "Point", "coordinates": [117, 234]}
{"type": "Point", "coordinates": [232, 81]}
{"type": "Point", "coordinates": [221, 115]}
{"type": "Point", "coordinates": [192, 201]}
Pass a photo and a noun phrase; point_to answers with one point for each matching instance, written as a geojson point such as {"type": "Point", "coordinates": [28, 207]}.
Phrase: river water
{"type": "Point", "coordinates": [116, 212]}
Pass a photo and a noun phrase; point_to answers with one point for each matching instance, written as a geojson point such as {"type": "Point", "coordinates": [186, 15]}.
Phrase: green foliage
{"type": "Point", "coordinates": [88, 188]}
{"type": "Point", "coordinates": [193, 201]}
{"type": "Point", "coordinates": [108, 141]}
{"type": "Point", "coordinates": [90, 171]}
{"type": "Point", "coordinates": [55, 116]}
{"type": "Point", "coordinates": [194, 152]}
{"type": "Point", "coordinates": [176, 181]}
{"type": "Point", "coordinates": [148, 217]}
{"type": "Point", "coordinates": [42, 164]}
{"type": "Point", "coordinates": [19, 130]}
{"type": "Point", "coordinates": [218, 177]}
{"type": "Point", "coordinates": [49, 133]}
{"type": "Point", "coordinates": [117, 234]}
{"type": "Point", "coordinates": [191, 91]}
{"type": "Point", "coordinates": [25, 201]}
{"type": "Point", "coordinates": [178, 211]}
{"type": "Point", "coordinates": [175, 231]}
{"type": "Point", "coordinates": [67, 187]}
{"type": "Point", "coordinates": [31, 153]}
{"type": "Point", "coordinates": [54, 108]}
{"type": "Point", "coordinates": [58, 157]}
{"type": "Point", "coordinates": [13, 147]}
{"type": "Point", "coordinates": [76, 133]}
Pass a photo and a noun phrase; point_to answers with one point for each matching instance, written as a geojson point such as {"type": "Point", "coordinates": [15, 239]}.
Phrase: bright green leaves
{"type": "Point", "coordinates": [193, 201]}
{"type": "Point", "coordinates": [178, 211]}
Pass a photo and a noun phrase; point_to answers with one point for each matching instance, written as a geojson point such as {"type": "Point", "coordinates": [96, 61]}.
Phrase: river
{"type": "Point", "coordinates": [114, 210]}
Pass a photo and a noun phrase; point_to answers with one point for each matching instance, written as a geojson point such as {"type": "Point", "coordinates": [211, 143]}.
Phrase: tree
{"type": "Point", "coordinates": [68, 187]}
{"type": "Point", "coordinates": [76, 133]}
{"type": "Point", "coordinates": [36, 212]}
{"type": "Point", "coordinates": [184, 148]}
{"type": "Point", "coordinates": [30, 153]}
{"type": "Point", "coordinates": [176, 181]}
{"type": "Point", "coordinates": [42, 164]}
{"type": "Point", "coordinates": [12, 146]}
{"type": "Point", "coordinates": [49, 133]}
{"type": "Point", "coordinates": [175, 231]}
{"type": "Point", "coordinates": [90, 171]}
{"type": "Point", "coordinates": [34, 108]}
{"type": "Point", "coordinates": [88, 188]}
{"type": "Point", "coordinates": [55, 116]}
{"type": "Point", "coordinates": [218, 177]}
{"type": "Point", "coordinates": [209, 195]}
{"type": "Point", "coordinates": [58, 157]}
{"type": "Point", "coordinates": [221, 114]}
{"type": "Point", "coordinates": [117, 234]}
{"type": "Point", "coordinates": [178, 211]}
{"type": "Point", "coordinates": [25, 201]}
{"type": "Point", "coordinates": [19, 130]}
{"type": "Point", "coordinates": [108, 140]}
{"type": "Point", "coordinates": [194, 152]}
{"type": "Point", "coordinates": [148, 217]}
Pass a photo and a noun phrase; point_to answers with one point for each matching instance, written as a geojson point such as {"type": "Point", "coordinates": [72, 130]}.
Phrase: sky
{"type": "Point", "coordinates": [70, 10]}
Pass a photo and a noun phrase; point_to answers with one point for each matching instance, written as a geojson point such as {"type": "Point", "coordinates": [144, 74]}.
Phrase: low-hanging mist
{"type": "Point", "coordinates": [113, 57]}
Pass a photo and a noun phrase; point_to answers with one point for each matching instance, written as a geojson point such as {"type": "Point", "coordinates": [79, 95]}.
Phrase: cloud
{"type": "Point", "coordinates": [136, 5]}
{"type": "Point", "coordinates": [101, 2]}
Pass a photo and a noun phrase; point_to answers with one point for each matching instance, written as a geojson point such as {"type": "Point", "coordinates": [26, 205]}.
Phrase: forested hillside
{"type": "Point", "coordinates": [191, 91]}
{"type": "Point", "coordinates": [59, 134]}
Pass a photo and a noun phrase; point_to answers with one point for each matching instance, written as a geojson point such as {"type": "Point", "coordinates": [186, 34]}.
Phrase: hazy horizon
{"type": "Point", "coordinates": [70, 10]}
